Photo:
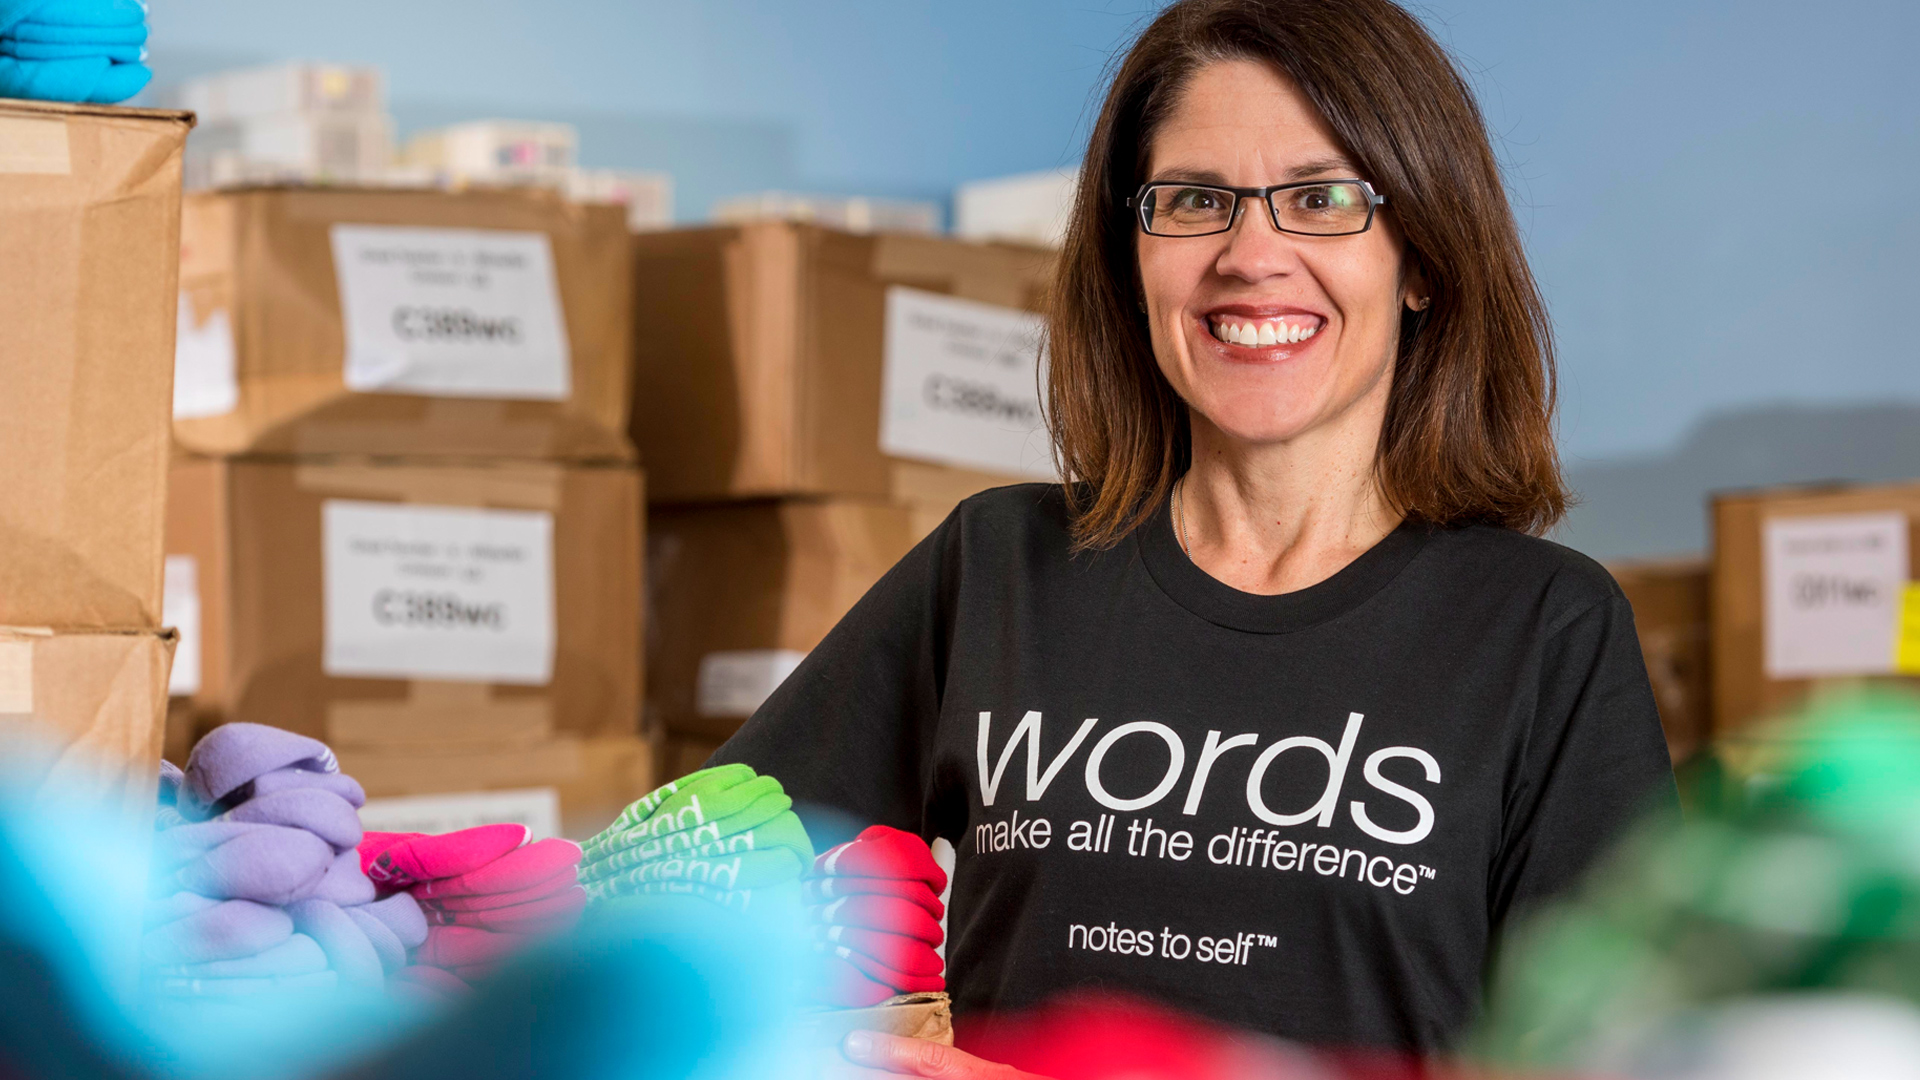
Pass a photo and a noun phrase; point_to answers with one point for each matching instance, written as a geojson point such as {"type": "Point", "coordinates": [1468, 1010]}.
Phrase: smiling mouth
{"type": "Point", "coordinates": [1257, 333]}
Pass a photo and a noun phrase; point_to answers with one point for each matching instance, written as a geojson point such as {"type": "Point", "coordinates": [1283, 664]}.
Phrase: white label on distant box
{"type": "Point", "coordinates": [961, 384]}
{"type": "Point", "coordinates": [735, 683]}
{"type": "Point", "coordinates": [438, 592]}
{"type": "Point", "coordinates": [180, 609]}
{"type": "Point", "coordinates": [206, 378]}
{"type": "Point", "coordinates": [451, 312]}
{"type": "Point", "coordinates": [1833, 588]}
{"type": "Point", "coordinates": [536, 808]}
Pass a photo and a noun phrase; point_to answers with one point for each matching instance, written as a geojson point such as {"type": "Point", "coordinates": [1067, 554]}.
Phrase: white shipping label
{"type": "Point", "coordinates": [438, 592]}
{"type": "Point", "coordinates": [536, 808]}
{"type": "Point", "coordinates": [180, 609]}
{"type": "Point", "coordinates": [16, 678]}
{"type": "Point", "coordinates": [206, 378]}
{"type": "Point", "coordinates": [961, 384]}
{"type": "Point", "coordinates": [451, 312]}
{"type": "Point", "coordinates": [733, 684]}
{"type": "Point", "coordinates": [1833, 587]}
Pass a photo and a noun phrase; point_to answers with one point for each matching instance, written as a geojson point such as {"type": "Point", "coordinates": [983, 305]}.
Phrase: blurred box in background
{"type": "Point", "coordinates": [82, 715]}
{"type": "Point", "coordinates": [1670, 612]}
{"type": "Point", "coordinates": [410, 606]}
{"type": "Point", "coordinates": [849, 213]}
{"type": "Point", "coordinates": [739, 593]}
{"type": "Point", "coordinates": [497, 152]}
{"type": "Point", "coordinates": [290, 148]}
{"type": "Point", "coordinates": [90, 227]}
{"type": "Point", "coordinates": [283, 89]}
{"type": "Point", "coordinates": [647, 197]}
{"type": "Point", "coordinates": [292, 122]}
{"type": "Point", "coordinates": [1032, 208]}
{"type": "Point", "coordinates": [567, 786]}
{"type": "Point", "coordinates": [402, 322]}
{"type": "Point", "coordinates": [1813, 587]}
{"type": "Point", "coordinates": [793, 360]}
{"type": "Point", "coordinates": [682, 755]}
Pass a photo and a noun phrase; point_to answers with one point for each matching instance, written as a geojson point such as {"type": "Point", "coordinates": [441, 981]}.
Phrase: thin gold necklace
{"type": "Point", "coordinates": [1180, 516]}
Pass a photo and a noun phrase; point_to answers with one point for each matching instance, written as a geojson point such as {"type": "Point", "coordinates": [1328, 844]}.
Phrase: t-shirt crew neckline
{"type": "Point", "coordinates": [1217, 602]}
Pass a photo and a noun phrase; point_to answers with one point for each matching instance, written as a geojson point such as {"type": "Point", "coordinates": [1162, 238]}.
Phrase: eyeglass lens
{"type": "Point", "coordinates": [1179, 210]}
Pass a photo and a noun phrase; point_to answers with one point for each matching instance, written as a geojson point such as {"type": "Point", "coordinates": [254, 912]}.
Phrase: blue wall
{"type": "Point", "coordinates": [1716, 193]}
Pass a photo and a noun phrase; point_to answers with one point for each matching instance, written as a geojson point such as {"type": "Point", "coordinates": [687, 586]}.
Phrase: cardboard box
{"type": "Point", "coordinates": [683, 755]}
{"type": "Point", "coordinates": [497, 151]}
{"type": "Point", "coordinates": [289, 148]}
{"type": "Point", "coordinates": [1812, 588]}
{"type": "Point", "coordinates": [479, 323]}
{"type": "Point", "coordinates": [281, 89]}
{"type": "Point", "coordinates": [763, 367]}
{"type": "Point", "coordinates": [82, 713]}
{"type": "Point", "coordinates": [910, 1016]}
{"type": "Point", "coordinates": [1670, 612]}
{"type": "Point", "coordinates": [564, 786]}
{"type": "Point", "coordinates": [451, 606]}
{"type": "Point", "coordinates": [853, 213]}
{"type": "Point", "coordinates": [90, 224]}
{"type": "Point", "coordinates": [647, 197]}
{"type": "Point", "coordinates": [1031, 208]}
{"type": "Point", "coordinates": [738, 593]}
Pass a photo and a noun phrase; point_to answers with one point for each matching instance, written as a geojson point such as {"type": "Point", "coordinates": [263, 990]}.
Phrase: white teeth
{"type": "Point", "coordinates": [1279, 332]}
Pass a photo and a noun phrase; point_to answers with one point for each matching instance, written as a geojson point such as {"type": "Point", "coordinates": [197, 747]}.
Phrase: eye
{"type": "Point", "coordinates": [1198, 200]}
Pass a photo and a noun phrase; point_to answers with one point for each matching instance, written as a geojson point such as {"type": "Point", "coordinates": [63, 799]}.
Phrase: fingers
{"type": "Point", "coordinates": [891, 1054]}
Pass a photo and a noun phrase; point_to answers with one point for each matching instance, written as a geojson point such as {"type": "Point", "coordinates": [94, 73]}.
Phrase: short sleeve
{"type": "Point", "coordinates": [1595, 760]}
{"type": "Point", "coordinates": [850, 733]}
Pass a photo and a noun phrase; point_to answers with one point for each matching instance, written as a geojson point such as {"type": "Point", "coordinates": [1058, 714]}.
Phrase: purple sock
{"type": "Point", "coordinates": [322, 813]}
{"type": "Point", "coordinates": [234, 754]}
{"type": "Point", "coordinates": [346, 945]}
{"type": "Point", "coordinates": [345, 883]}
{"type": "Point", "coordinates": [228, 930]}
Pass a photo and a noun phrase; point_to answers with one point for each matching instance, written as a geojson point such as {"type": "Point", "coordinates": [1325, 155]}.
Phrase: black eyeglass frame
{"type": "Point", "coordinates": [1138, 204]}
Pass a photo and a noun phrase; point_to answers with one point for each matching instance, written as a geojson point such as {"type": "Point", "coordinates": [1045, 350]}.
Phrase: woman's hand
{"type": "Point", "coordinates": [876, 1056]}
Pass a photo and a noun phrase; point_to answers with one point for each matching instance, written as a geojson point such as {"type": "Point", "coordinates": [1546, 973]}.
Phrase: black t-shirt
{"type": "Point", "coordinates": [1307, 814]}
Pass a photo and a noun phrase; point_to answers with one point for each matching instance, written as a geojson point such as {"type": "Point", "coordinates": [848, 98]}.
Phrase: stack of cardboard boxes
{"type": "Point", "coordinates": [89, 221]}
{"type": "Point", "coordinates": [404, 498]}
{"type": "Point", "coordinates": [810, 403]}
{"type": "Point", "coordinates": [287, 122]}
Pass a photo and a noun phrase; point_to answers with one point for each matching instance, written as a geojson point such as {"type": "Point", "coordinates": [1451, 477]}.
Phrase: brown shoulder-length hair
{"type": "Point", "coordinates": [1468, 436]}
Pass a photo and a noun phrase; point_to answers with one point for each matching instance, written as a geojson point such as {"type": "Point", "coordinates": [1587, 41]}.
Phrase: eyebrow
{"type": "Point", "coordinates": [1306, 170]}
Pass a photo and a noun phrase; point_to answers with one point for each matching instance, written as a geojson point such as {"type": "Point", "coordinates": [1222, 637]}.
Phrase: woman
{"type": "Point", "coordinates": [1281, 709]}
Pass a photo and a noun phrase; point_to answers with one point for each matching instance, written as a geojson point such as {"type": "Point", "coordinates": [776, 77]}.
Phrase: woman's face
{"type": "Point", "coordinates": [1242, 124]}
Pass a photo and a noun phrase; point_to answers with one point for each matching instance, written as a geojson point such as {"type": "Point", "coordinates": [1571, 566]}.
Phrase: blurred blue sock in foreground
{"type": "Point", "coordinates": [658, 987]}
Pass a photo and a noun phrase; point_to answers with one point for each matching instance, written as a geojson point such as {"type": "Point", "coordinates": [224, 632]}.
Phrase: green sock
{"type": "Point", "coordinates": [745, 870]}
{"type": "Point", "coordinates": [702, 798]}
{"type": "Point", "coordinates": [787, 893]}
{"type": "Point", "coordinates": [783, 832]}
{"type": "Point", "coordinates": [638, 845]}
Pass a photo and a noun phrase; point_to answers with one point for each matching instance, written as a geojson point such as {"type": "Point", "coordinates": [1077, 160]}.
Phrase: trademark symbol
{"type": "Point", "coordinates": [1427, 872]}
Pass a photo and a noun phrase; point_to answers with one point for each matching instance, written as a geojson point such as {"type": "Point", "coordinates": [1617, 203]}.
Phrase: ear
{"type": "Point", "coordinates": [1414, 290]}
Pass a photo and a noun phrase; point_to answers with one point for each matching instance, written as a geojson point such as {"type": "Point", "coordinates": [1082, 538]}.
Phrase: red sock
{"type": "Point", "coordinates": [887, 914]}
{"type": "Point", "coordinates": [909, 956]}
{"type": "Point", "coordinates": [884, 852]}
{"type": "Point", "coordinates": [821, 890]}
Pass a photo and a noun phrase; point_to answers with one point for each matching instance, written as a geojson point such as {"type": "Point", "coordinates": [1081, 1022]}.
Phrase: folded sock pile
{"type": "Point", "coordinates": [73, 50]}
{"type": "Point", "coordinates": [725, 834]}
{"type": "Point", "coordinates": [486, 894]}
{"type": "Point", "coordinates": [875, 907]}
{"type": "Point", "coordinates": [257, 880]}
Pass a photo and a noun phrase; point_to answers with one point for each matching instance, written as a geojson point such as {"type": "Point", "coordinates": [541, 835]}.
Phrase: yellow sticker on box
{"type": "Point", "coordinates": [1906, 634]}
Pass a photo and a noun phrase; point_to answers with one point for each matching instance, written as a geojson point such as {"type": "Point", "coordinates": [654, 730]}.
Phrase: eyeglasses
{"type": "Point", "coordinates": [1309, 208]}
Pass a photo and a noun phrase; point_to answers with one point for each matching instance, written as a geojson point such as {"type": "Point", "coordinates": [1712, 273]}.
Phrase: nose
{"type": "Point", "coordinates": [1256, 249]}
